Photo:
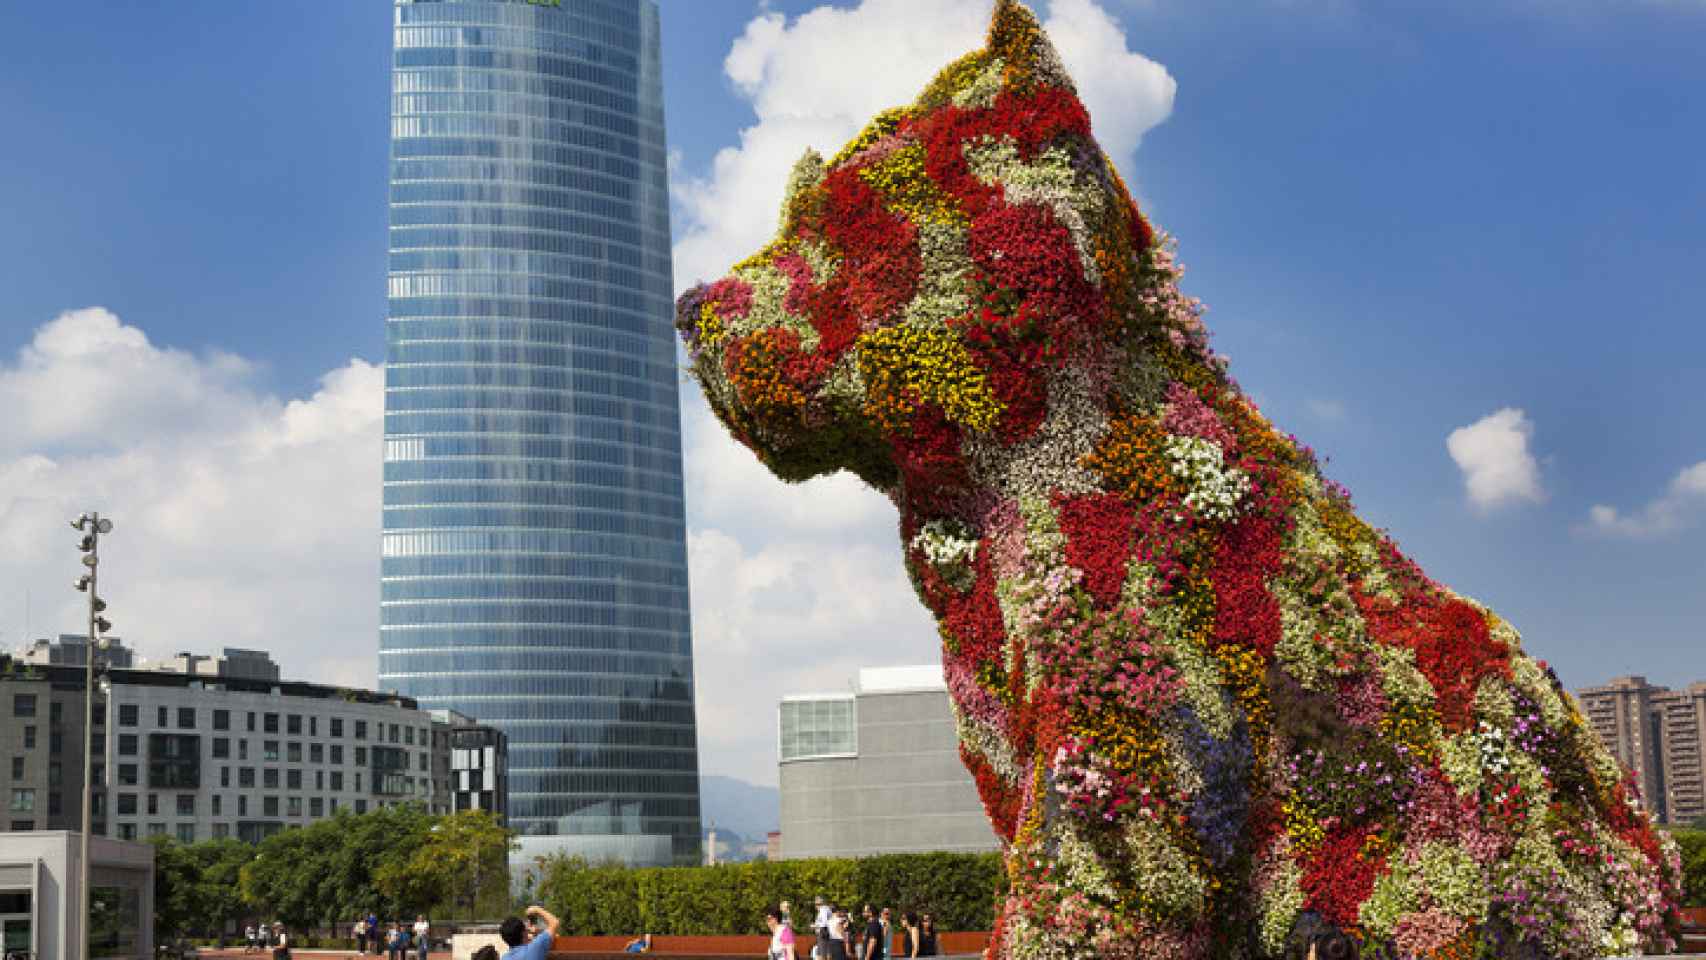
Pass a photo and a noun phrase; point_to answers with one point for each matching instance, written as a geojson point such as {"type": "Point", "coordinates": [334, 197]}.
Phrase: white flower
{"type": "Point", "coordinates": [1216, 489]}
{"type": "Point", "coordinates": [947, 546]}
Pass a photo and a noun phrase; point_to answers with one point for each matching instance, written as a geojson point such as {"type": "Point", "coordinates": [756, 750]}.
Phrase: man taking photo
{"type": "Point", "coordinates": [529, 939]}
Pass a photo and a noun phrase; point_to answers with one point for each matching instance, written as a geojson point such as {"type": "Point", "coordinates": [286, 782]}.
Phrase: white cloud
{"type": "Point", "coordinates": [814, 80]}
{"type": "Point", "coordinates": [1492, 452]}
{"type": "Point", "coordinates": [240, 519]}
{"type": "Point", "coordinates": [1681, 504]}
{"type": "Point", "coordinates": [1331, 411]}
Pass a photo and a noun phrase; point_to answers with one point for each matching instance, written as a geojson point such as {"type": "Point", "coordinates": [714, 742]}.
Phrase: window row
{"type": "Point", "coordinates": [510, 354]}
{"type": "Point", "coordinates": [621, 228]}
{"type": "Point", "coordinates": [429, 542]}
{"type": "Point", "coordinates": [520, 272]}
{"type": "Point", "coordinates": [530, 589]}
{"type": "Point", "coordinates": [566, 426]}
{"type": "Point", "coordinates": [524, 151]}
{"type": "Point", "coordinates": [610, 77]}
{"type": "Point", "coordinates": [534, 518]}
{"type": "Point", "coordinates": [610, 308]}
{"type": "Point", "coordinates": [656, 807]}
{"type": "Point", "coordinates": [520, 660]}
{"type": "Point", "coordinates": [665, 483]}
{"type": "Point", "coordinates": [407, 172]}
{"type": "Point", "coordinates": [538, 718]}
{"type": "Point", "coordinates": [529, 399]}
{"type": "Point", "coordinates": [420, 89]}
{"type": "Point", "coordinates": [531, 38]}
{"type": "Point", "coordinates": [666, 459]}
{"type": "Point", "coordinates": [581, 102]}
{"type": "Point", "coordinates": [130, 715]}
{"type": "Point", "coordinates": [615, 25]}
{"type": "Point", "coordinates": [474, 639]}
{"type": "Point", "coordinates": [537, 494]}
{"type": "Point", "coordinates": [585, 127]}
{"type": "Point", "coordinates": [531, 377]}
{"type": "Point", "coordinates": [567, 614]}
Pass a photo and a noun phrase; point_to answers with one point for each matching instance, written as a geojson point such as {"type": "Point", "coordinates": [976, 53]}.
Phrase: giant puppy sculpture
{"type": "Point", "coordinates": [1210, 711]}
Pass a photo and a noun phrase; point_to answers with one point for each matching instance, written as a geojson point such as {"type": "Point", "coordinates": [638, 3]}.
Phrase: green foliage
{"type": "Point", "coordinates": [390, 861]}
{"type": "Point", "coordinates": [460, 867]}
{"type": "Point", "coordinates": [1692, 843]}
{"type": "Point", "coordinates": [959, 889]}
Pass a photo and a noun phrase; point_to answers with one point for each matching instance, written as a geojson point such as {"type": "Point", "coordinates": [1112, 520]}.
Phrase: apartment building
{"type": "Point", "coordinates": [1660, 734]}
{"type": "Point", "coordinates": [201, 748]}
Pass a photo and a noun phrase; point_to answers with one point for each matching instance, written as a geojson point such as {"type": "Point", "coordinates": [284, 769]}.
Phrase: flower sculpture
{"type": "Point", "coordinates": [1210, 711]}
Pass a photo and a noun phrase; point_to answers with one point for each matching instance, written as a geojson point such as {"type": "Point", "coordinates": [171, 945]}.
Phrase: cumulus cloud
{"type": "Point", "coordinates": [241, 518]}
{"type": "Point", "coordinates": [1683, 501]}
{"type": "Point", "coordinates": [1498, 469]}
{"type": "Point", "coordinates": [814, 80]}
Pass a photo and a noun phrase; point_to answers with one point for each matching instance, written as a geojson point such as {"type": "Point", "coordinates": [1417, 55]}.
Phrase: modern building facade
{"type": "Point", "coordinates": [41, 887]}
{"type": "Point", "coordinates": [877, 771]}
{"type": "Point", "coordinates": [199, 757]}
{"type": "Point", "coordinates": [1660, 734]}
{"type": "Point", "coordinates": [534, 550]}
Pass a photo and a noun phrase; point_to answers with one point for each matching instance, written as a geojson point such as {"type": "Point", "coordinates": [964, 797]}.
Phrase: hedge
{"type": "Point", "coordinates": [958, 889]}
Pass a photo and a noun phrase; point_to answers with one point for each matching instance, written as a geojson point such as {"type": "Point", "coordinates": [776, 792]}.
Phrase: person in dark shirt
{"type": "Point", "coordinates": [927, 937]}
{"type": "Point", "coordinates": [875, 948]}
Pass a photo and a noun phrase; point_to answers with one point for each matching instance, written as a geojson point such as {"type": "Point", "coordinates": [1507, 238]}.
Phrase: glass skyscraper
{"type": "Point", "coordinates": [535, 569]}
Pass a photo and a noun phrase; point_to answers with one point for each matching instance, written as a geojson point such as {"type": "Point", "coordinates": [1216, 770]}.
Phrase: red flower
{"type": "Point", "coordinates": [1453, 647]}
{"type": "Point", "coordinates": [1099, 541]}
{"type": "Point", "coordinates": [1340, 875]}
{"type": "Point", "coordinates": [1245, 612]}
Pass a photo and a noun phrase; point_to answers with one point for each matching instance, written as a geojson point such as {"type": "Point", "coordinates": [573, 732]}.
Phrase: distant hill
{"type": "Point", "coordinates": [746, 808]}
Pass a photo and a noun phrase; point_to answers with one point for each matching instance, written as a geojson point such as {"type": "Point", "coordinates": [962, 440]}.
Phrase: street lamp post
{"type": "Point", "coordinates": [92, 525]}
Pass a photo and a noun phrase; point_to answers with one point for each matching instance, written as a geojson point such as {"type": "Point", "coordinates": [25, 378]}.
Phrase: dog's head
{"type": "Point", "coordinates": [929, 281]}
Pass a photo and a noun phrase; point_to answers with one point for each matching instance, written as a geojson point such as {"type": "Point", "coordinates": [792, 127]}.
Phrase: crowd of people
{"type": "Point", "coordinates": [396, 940]}
{"type": "Point", "coordinates": [839, 938]}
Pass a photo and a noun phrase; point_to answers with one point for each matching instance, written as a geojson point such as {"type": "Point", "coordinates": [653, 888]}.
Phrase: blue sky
{"type": "Point", "coordinates": [1402, 216]}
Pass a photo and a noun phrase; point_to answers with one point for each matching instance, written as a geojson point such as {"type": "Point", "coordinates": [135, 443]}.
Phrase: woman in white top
{"type": "Point", "coordinates": [422, 928]}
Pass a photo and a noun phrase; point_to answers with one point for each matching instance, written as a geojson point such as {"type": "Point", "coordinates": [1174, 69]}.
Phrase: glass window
{"type": "Point", "coordinates": [251, 721]}
{"type": "Point", "coordinates": [100, 715]}
{"type": "Point", "coordinates": [269, 750]}
{"type": "Point", "coordinates": [17, 768]}
{"type": "Point", "coordinates": [819, 728]}
{"type": "Point", "coordinates": [269, 806]}
{"type": "Point", "coordinates": [361, 806]}
{"type": "Point", "coordinates": [293, 752]}
{"type": "Point", "coordinates": [221, 719]}
{"type": "Point", "coordinates": [186, 718]}
{"type": "Point", "coordinates": [319, 779]}
{"type": "Point", "coordinates": [55, 712]}
{"type": "Point", "coordinates": [186, 804]}
{"type": "Point", "coordinates": [221, 747]}
{"type": "Point", "coordinates": [216, 804]}
{"type": "Point", "coordinates": [316, 753]}
{"type": "Point", "coordinates": [246, 777]}
{"type": "Point", "coordinates": [127, 831]}
{"type": "Point", "coordinates": [293, 779]}
{"type": "Point", "coordinates": [360, 756]}
{"type": "Point", "coordinates": [316, 807]}
{"type": "Point", "coordinates": [127, 744]}
{"type": "Point", "coordinates": [269, 723]}
{"type": "Point", "coordinates": [361, 729]}
{"type": "Point", "coordinates": [293, 724]}
{"type": "Point", "coordinates": [23, 704]}
{"type": "Point", "coordinates": [242, 749]}
{"type": "Point", "coordinates": [221, 831]}
{"type": "Point", "coordinates": [127, 715]}
{"type": "Point", "coordinates": [186, 833]}
{"type": "Point", "coordinates": [337, 780]}
{"type": "Point", "coordinates": [156, 829]}
{"type": "Point", "coordinates": [225, 776]}
{"type": "Point", "coordinates": [293, 806]}
{"type": "Point", "coordinates": [337, 753]}
{"type": "Point", "coordinates": [160, 715]}
{"type": "Point", "coordinates": [269, 778]}
{"type": "Point", "coordinates": [337, 726]}
{"type": "Point", "coordinates": [242, 805]}
{"type": "Point", "coordinates": [127, 774]}
{"type": "Point", "coordinates": [153, 803]}
{"type": "Point", "coordinates": [127, 804]}
{"type": "Point", "coordinates": [30, 737]}
{"type": "Point", "coordinates": [313, 725]}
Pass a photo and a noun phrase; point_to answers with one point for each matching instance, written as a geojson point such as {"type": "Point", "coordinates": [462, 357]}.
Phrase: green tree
{"type": "Point", "coordinates": [324, 873]}
{"type": "Point", "coordinates": [459, 867]}
{"type": "Point", "coordinates": [1692, 844]}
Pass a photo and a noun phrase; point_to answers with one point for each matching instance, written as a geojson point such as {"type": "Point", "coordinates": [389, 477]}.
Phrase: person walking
{"type": "Point", "coordinates": [423, 938]}
{"type": "Point", "coordinates": [927, 946]}
{"type": "Point", "coordinates": [394, 942]}
{"type": "Point", "coordinates": [887, 920]}
{"type": "Point", "coordinates": [373, 933]}
{"type": "Point", "coordinates": [781, 936]}
{"type": "Point", "coordinates": [871, 942]}
{"type": "Point", "coordinates": [909, 934]}
{"type": "Point", "coordinates": [838, 935]}
{"type": "Point", "coordinates": [281, 942]}
{"type": "Point", "coordinates": [358, 930]}
{"type": "Point", "coordinates": [530, 939]}
{"type": "Point", "coordinates": [820, 926]}
{"type": "Point", "coordinates": [249, 939]}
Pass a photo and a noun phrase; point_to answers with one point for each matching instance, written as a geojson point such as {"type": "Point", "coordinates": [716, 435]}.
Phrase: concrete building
{"type": "Point", "coordinates": [1660, 734]}
{"type": "Point", "coordinates": [877, 771]}
{"type": "Point", "coordinates": [40, 890]}
{"type": "Point", "coordinates": [72, 650]}
{"type": "Point", "coordinates": [199, 754]}
{"type": "Point", "coordinates": [478, 763]}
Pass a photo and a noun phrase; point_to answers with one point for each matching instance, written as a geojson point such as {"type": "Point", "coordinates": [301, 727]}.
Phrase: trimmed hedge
{"type": "Point", "coordinates": [959, 889]}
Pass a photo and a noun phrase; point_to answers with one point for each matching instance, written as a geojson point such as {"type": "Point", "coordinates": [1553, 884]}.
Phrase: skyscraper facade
{"type": "Point", "coordinates": [534, 557]}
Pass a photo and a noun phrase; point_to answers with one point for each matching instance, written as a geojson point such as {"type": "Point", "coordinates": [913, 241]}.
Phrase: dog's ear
{"type": "Point", "coordinates": [1017, 40]}
{"type": "Point", "coordinates": [802, 193]}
